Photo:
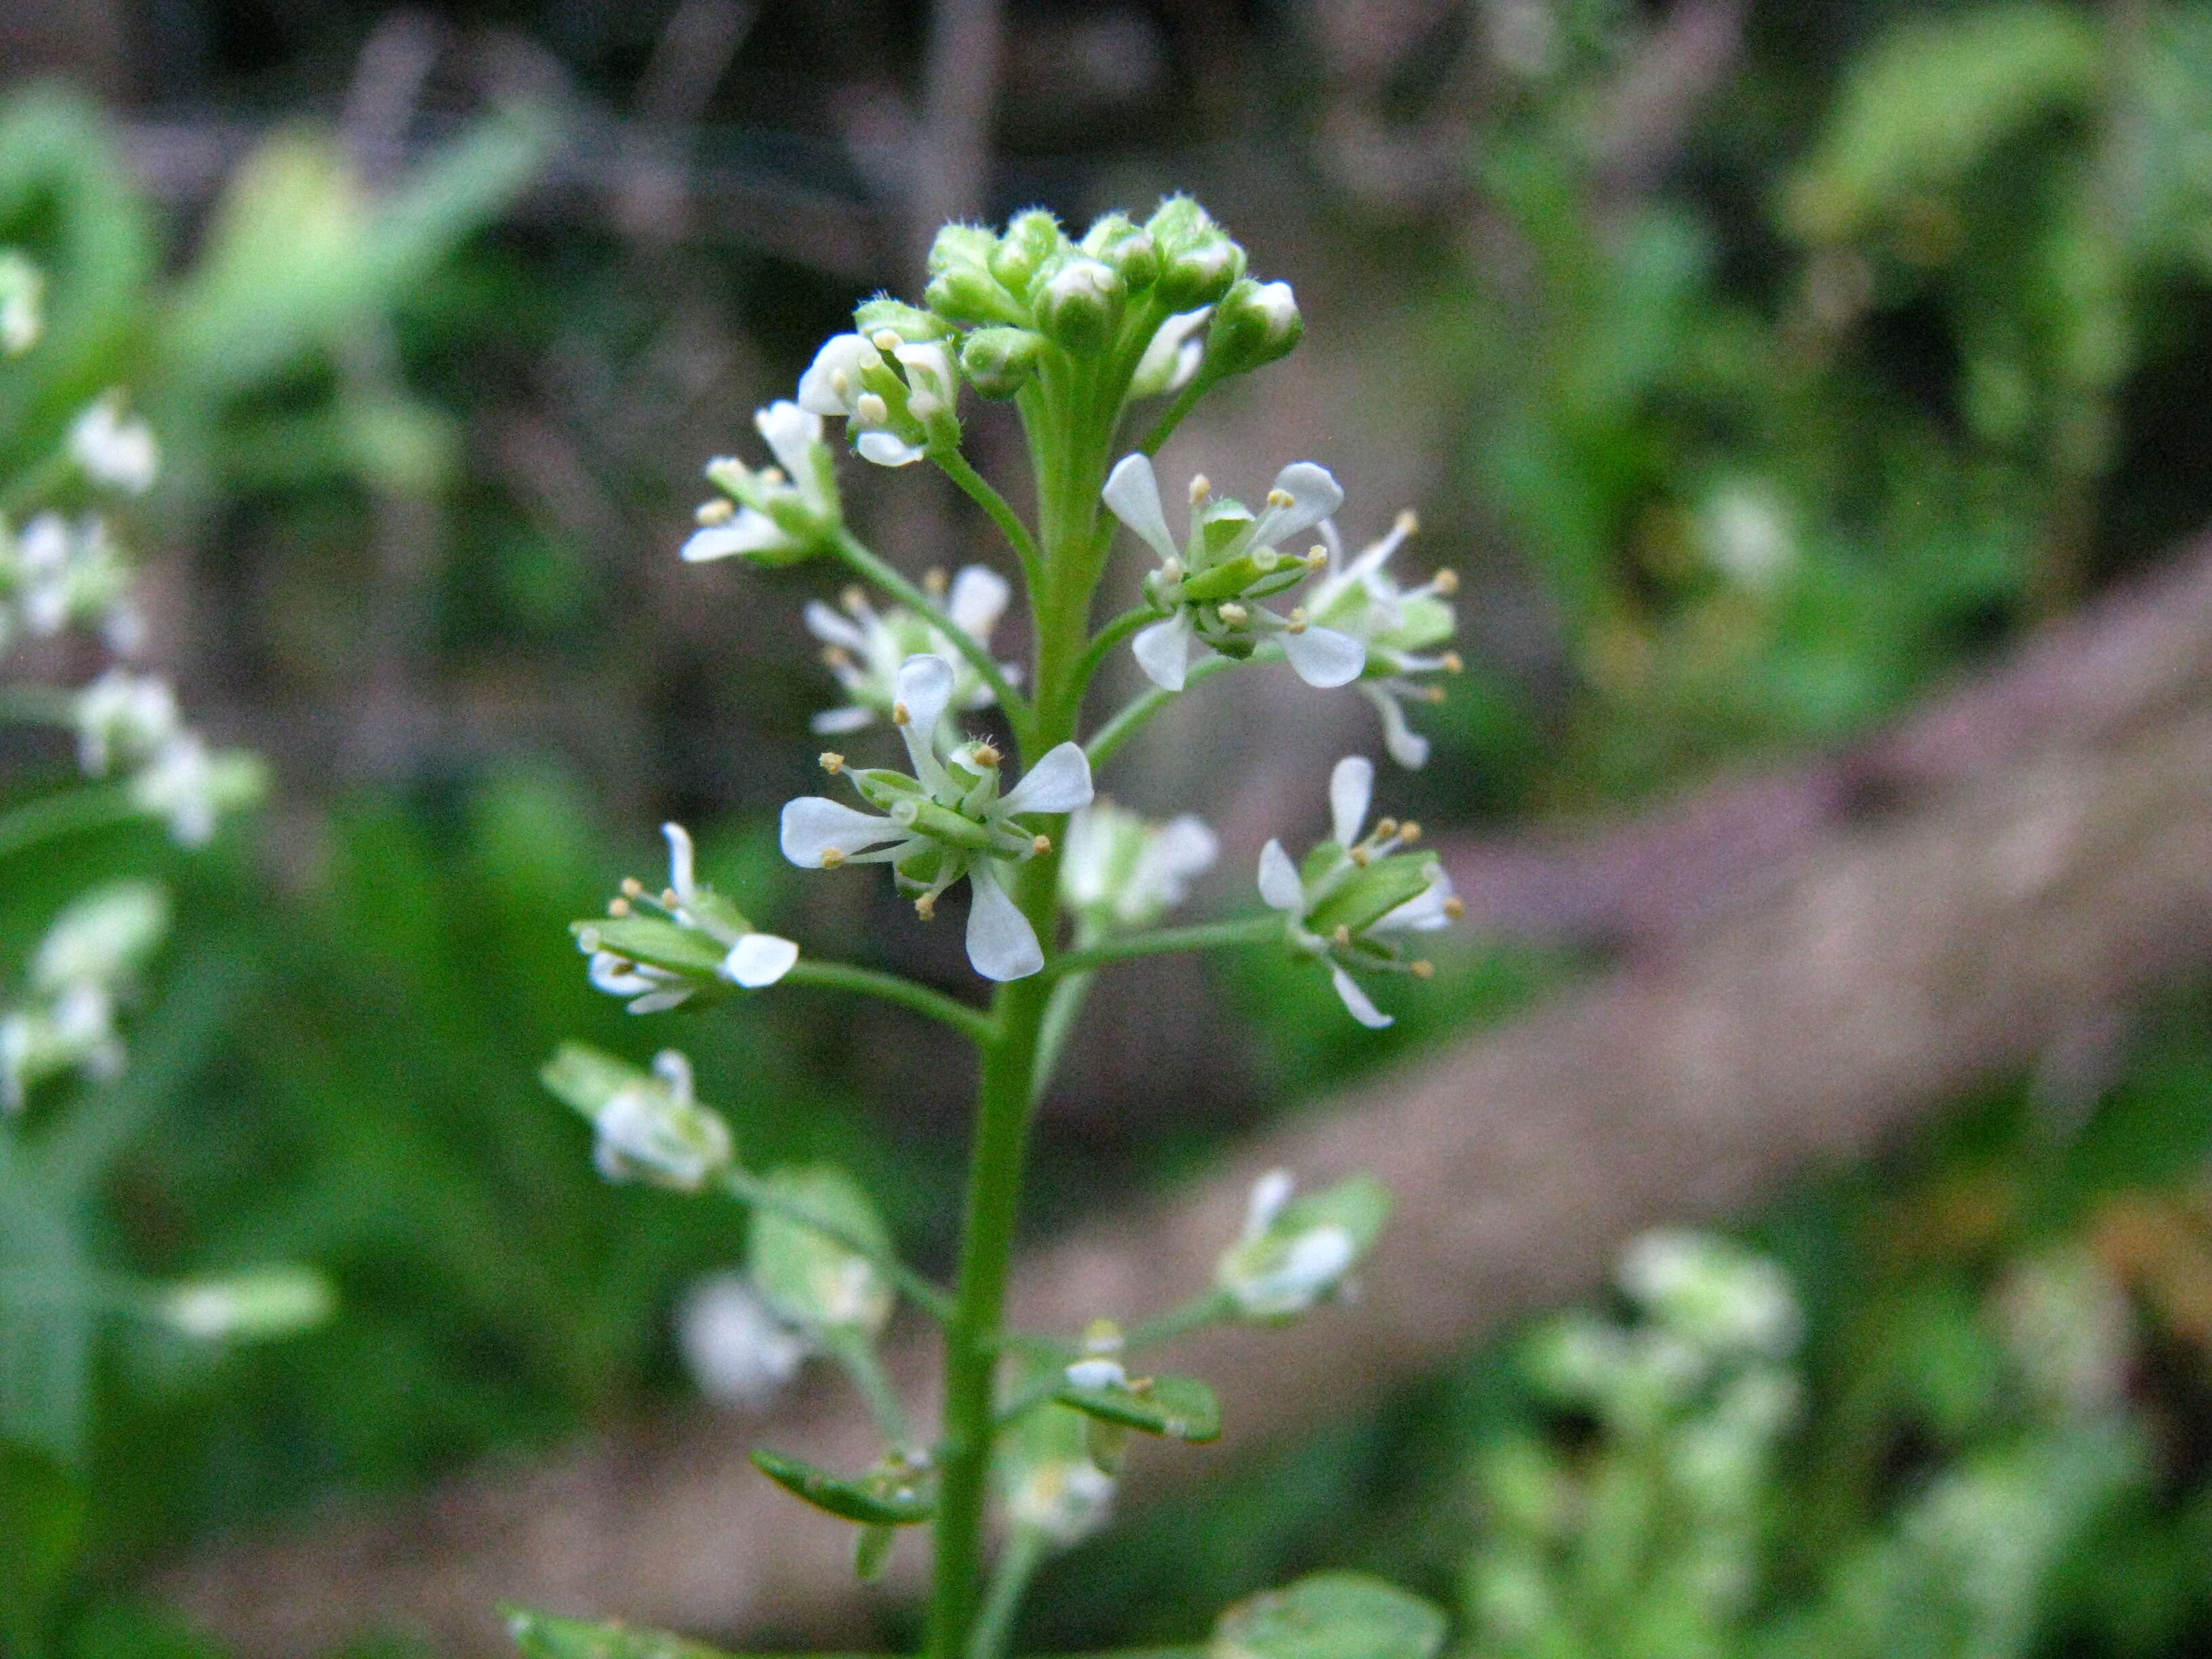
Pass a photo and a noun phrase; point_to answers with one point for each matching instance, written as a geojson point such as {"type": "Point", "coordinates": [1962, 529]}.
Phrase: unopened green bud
{"type": "Point", "coordinates": [958, 245]}
{"type": "Point", "coordinates": [962, 288]}
{"type": "Point", "coordinates": [1115, 241]}
{"type": "Point", "coordinates": [253, 1307]}
{"type": "Point", "coordinates": [1254, 324]}
{"type": "Point", "coordinates": [1079, 305]}
{"type": "Point", "coordinates": [1199, 260]}
{"type": "Point", "coordinates": [1000, 362]}
{"type": "Point", "coordinates": [1032, 241]}
{"type": "Point", "coordinates": [910, 323]}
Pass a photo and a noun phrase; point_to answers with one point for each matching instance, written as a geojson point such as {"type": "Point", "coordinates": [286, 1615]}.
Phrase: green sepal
{"type": "Point", "coordinates": [652, 939]}
{"type": "Point", "coordinates": [543, 1636]}
{"type": "Point", "coordinates": [1371, 894]}
{"type": "Point", "coordinates": [587, 1078]}
{"type": "Point", "coordinates": [1000, 361]}
{"type": "Point", "coordinates": [1359, 1204]}
{"type": "Point", "coordinates": [910, 323]}
{"type": "Point", "coordinates": [1178, 1407]}
{"type": "Point", "coordinates": [1031, 242]}
{"type": "Point", "coordinates": [872, 1500]}
{"type": "Point", "coordinates": [1330, 1615]}
{"type": "Point", "coordinates": [1423, 621]}
{"type": "Point", "coordinates": [871, 1552]}
{"type": "Point", "coordinates": [1234, 576]}
{"type": "Point", "coordinates": [1106, 1444]}
{"type": "Point", "coordinates": [942, 823]}
{"type": "Point", "coordinates": [807, 1277]}
{"type": "Point", "coordinates": [881, 786]}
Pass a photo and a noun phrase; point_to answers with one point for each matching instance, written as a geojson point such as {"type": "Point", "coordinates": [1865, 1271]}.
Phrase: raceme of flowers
{"type": "Point", "coordinates": [946, 821]}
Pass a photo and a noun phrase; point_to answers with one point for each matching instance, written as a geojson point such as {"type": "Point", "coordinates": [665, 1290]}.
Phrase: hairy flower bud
{"type": "Point", "coordinates": [1032, 242]}
{"type": "Point", "coordinates": [1114, 241]}
{"type": "Point", "coordinates": [1079, 305]}
{"type": "Point", "coordinates": [1198, 261]}
{"type": "Point", "coordinates": [910, 323]}
{"type": "Point", "coordinates": [1254, 324]}
{"type": "Point", "coordinates": [962, 288]}
{"type": "Point", "coordinates": [1000, 361]}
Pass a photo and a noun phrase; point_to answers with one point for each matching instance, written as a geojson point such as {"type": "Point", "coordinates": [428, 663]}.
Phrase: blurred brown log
{"type": "Point", "coordinates": [1840, 950]}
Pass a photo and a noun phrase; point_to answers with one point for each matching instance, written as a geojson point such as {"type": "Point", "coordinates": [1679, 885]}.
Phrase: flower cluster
{"type": "Point", "coordinates": [85, 965]}
{"type": "Point", "coordinates": [864, 647]}
{"type": "Point", "coordinates": [947, 820]}
{"type": "Point", "coordinates": [1351, 894]}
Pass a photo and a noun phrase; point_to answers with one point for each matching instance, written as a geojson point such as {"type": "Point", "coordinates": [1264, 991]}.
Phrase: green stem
{"type": "Point", "coordinates": [1131, 719]}
{"type": "Point", "coordinates": [1185, 400]}
{"type": "Point", "coordinates": [854, 553]}
{"type": "Point", "coordinates": [71, 812]}
{"type": "Point", "coordinates": [994, 1625]}
{"type": "Point", "coordinates": [748, 1188]}
{"type": "Point", "coordinates": [1129, 622]}
{"type": "Point", "coordinates": [854, 1351]}
{"type": "Point", "coordinates": [971, 1023]}
{"type": "Point", "coordinates": [1213, 1308]}
{"type": "Point", "coordinates": [978, 490]}
{"type": "Point", "coordinates": [1199, 936]}
{"type": "Point", "coordinates": [1195, 1315]}
{"type": "Point", "coordinates": [1060, 1017]}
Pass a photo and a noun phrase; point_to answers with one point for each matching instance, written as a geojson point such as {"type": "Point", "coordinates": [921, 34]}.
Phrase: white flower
{"type": "Point", "coordinates": [736, 1350]}
{"type": "Point", "coordinates": [192, 785]}
{"type": "Point", "coordinates": [782, 512]}
{"type": "Point", "coordinates": [122, 713]}
{"type": "Point", "coordinates": [1350, 891]}
{"type": "Point", "coordinates": [1745, 533]}
{"type": "Point", "coordinates": [655, 1130]}
{"type": "Point", "coordinates": [1273, 1274]}
{"type": "Point", "coordinates": [111, 450]}
{"type": "Point", "coordinates": [61, 573]}
{"type": "Point", "coordinates": [749, 958]}
{"type": "Point", "coordinates": [23, 309]}
{"type": "Point", "coordinates": [887, 389]}
{"type": "Point", "coordinates": [865, 647]}
{"type": "Point", "coordinates": [1399, 626]}
{"type": "Point", "coordinates": [1065, 1499]}
{"type": "Point", "coordinates": [945, 821]}
{"type": "Point", "coordinates": [1119, 868]}
{"type": "Point", "coordinates": [1176, 351]}
{"type": "Point", "coordinates": [86, 961]}
{"type": "Point", "coordinates": [1211, 589]}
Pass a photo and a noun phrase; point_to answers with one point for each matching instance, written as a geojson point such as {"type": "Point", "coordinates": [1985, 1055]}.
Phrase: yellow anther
{"type": "Point", "coordinates": [1342, 935]}
{"type": "Point", "coordinates": [842, 384]}
{"type": "Point", "coordinates": [984, 754]}
{"type": "Point", "coordinates": [925, 907]}
{"type": "Point", "coordinates": [870, 410]}
{"type": "Point", "coordinates": [771, 476]}
{"type": "Point", "coordinates": [668, 899]}
{"type": "Point", "coordinates": [1408, 522]}
{"type": "Point", "coordinates": [899, 715]}
{"type": "Point", "coordinates": [1235, 614]}
{"type": "Point", "coordinates": [1281, 498]}
{"type": "Point", "coordinates": [837, 656]}
{"type": "Point", "coordinates": [852, 598]}
{"type": "Point", "coordinates": [1359, 854]}
{"type": "Point", "coordinates": [886, 340]}
{"type": "Point", "coordinates": [1102, 1336]}
{"type": "Point", "coordinates": [1316, 557]}
{"type": "Point", "coordinates": [832, 762]}
{"type": "Point", "coordinates": [1201, 488]}
{"type": "Point", "coordinates": [632, 887]}
{"type": "Point", "coordinates": [934, 582]}
{"type": "Point", "coordinates": [618, 907]}
{"type": "Point", "coordinates": [1041, 846]}
{"type": "Point", "coordinates": [1299, 624]}
{"type": "Point", "coordinates": [1409, 832]}
{"type": "Point", "coordinates": [1455, 907]}
{"type": "Point", "coordinates": [720, 510]}
{"type": "Point", "coordinates": [1385, 827]}
{"type": "Point", "coordinates": [1428, 693]}
{"type": "Point", "coordinates": [1445, 582]}
{"type": "Point", "coordinates": [1453, 663]}
{"type": "Point", "coordinates": [1423, 969]}
{"type": "Point", "coordinates": [831, 858]}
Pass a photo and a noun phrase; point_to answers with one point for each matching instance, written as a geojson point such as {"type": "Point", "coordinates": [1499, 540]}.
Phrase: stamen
{"type": "Point", "coordinates": [1423, 968]}
{"type": "Point", "coordinates": [632, 887]}
{"type": "Point", "coordinates": [1041, 846]}
{"type": "Point", "coordinates": [1385, 828]}
{"type": "Point", "coordinates": [871, 409]}
{"type": "Point", "coordinates": [837, 656]}
{"type": "Point", "coordinates": [842, 384]}
{"type": "Point", "coordinates": [886, 340]}
{"type": "Point", "coordinates": [832, 762]}
{"type": "Point", "coordinates": [1445, 582]}
{"type": "Point", "coordinates": [1201, 488]}
{"type": "Point", "coordinates": [925, 907]}
{"type": "Point", "coordinates": [1408, 522]}
{"type": "Point", "coordinates": [719, 511]}
{"type": "Point", "coordinates": [1235, 614]}
{"type": "Point", "coordinates": [1454, 664]}
{"type": "Point", "coordinates": [1298, 622]}
{"type": "Point", "coordinates": [1342, 935]}
{"type": "Point", "coordinates": [933, 582]}
{"type": "Point", "coordinates": [668, 899]}
{"type": "Point", "coordinates": [771, 475]}
{"type": "Point", "coordinates": [899, 715]}
{"type": "Point", "coordinates": [1360, 854]}
{"type": "Point", "coordinates": [1409, 832]}
{"type": "Point", "coordinates": [852, 598]}
{"type": "Point", "coordinates": [1428, 693]}
{"type": "Point", "coordinates": [1316, 557]}
{"type": "Point", "coordinates": [984, 755]}
{"type": "Point", "coordinates": [1455, 907]}
{"type": "Point", "coordinates": [831, 858]}
{"type": "Point", "coordinates": [618, 907]}
{"type": "Point", "coordinates": [1279, 499]}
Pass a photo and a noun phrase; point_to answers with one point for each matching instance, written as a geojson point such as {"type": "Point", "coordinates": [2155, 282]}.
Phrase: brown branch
{"type": "Point", "coordinates": [1971, 890]}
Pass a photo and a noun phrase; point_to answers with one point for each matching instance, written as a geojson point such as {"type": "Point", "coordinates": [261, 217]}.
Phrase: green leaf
{"type": "Point", "coordinates": [878, 1499]}
{"type": "Point", "coordinates": [1179, 1407]}
{"type": "Point", "coordinates": [542, 1636]}
{"type": "Point", "coordinates": [1330, 1615]}
{"type": "Point", "coordinates": [808, 1277]}
{"type": "Point", "coordinates": [42, 1518]}
{"type": "Point", "coordinates": [653, 939]}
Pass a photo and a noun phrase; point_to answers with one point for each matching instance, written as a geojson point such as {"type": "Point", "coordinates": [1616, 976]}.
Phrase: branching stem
{"type": "Point", "coordinates": [971, 1022]}
{"type": "Point", "coordinates": [748, 1188]}
{"type": "Point", "coordinates": [1200, 936]}
{"type": "Point", "coordinates": [856, 554]}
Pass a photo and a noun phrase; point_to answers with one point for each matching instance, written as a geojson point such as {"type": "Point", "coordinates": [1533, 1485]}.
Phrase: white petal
{"type": "Point", "coordinates": [1132, 496]}
{"type": "Point", "coordinates": [617, 975]}
{"type": "Point", "coordinates": [833, 628]}
{"type": "Point", "coordinates": [1324, 658]}
{"type": "Point", "coordinates": [832, 722]}
{"type": "Point", "coordinates": [1407, 747]}
{"type": "Point", "coordinates": [1423, 912]}
{"type": "Point", "coordinates": [1314, 496]}
{"type": "Point", "coordinates": [1173, 356]}
{"type": "Point", "coordinates": [1279, 881]}
{"type": "Point", "coordinates": [888, 449]}
{"type": "Point", "coordinates": [1001, 944]}
{"type": "Point", "coordinates": [1181, 849]}
{"type": "Point", "coordinates": [1059, 782]}
{"type": "Point", "coordinates": [790, 433]}
{"type": "Point", "coordinates": [1269, 1193]}
{"type": "Point", "coordinates": [1356, 1002]}
{"type": "Point", "coordinates": [1163, 651]}
{"type": "Point", "coordinates": [813, 825]}
{"type": "Point", "coordinates": [925, 688]}
{"type": "Point", "coordinates": [845, 354]}
{"type": "Point", "coordinates": [929, 369]}
{"type": "Point", "coordinates": [660, 1002]}
{"type": "Point", "coordinates": [751, 532]}
{"type": "Point", "coordinates": [758, 959]}
{"type": "Point", "coordinates": [977, 600]}
{"type": "Point", "coordinates": [1351, 790]}
{"type": "Point", "coordinates": [680, 859]}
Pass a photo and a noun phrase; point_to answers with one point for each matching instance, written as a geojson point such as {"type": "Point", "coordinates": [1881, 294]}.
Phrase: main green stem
{"type": "Point", "coordinates": [1068, 451]}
